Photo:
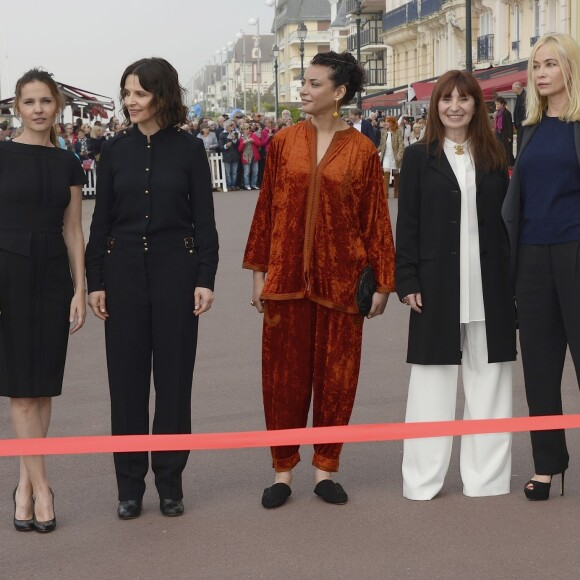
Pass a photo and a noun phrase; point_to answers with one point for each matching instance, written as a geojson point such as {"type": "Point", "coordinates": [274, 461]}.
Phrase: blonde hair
{"type": "Point", "coordinates": [567, 52]}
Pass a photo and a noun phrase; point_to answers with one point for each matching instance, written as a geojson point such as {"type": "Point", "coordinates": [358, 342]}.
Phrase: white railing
{"type": "Point", "coordinates": [216, 165]}
{"type": "Point", "coordinates": [218, 171]}
{"type": "Point", "coordinates": [90, 188]}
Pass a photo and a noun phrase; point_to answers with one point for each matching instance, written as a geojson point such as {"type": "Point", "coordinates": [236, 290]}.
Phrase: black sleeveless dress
{"type": "Point", "coordinates": [35, 280]}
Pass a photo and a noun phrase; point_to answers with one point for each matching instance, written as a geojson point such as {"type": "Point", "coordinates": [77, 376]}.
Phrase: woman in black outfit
{"type": "Point", "coordinates": [41, 244]}
{"type": "Point", "coordinates": [542, 215]}
{"type": "Point", "coordinates": [151, 264]}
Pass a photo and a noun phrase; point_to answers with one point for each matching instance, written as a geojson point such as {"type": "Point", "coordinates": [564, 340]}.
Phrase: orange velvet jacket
{"type": "Point", "coordinates": [315, 228]}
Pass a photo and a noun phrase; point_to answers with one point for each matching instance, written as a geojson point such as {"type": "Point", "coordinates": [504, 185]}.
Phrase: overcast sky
{"type": "Point", "coordinates": [89, 44]}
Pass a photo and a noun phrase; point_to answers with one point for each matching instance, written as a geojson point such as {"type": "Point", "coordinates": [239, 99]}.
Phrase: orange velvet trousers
{"type": "Point", "coordinates": [309, 352]}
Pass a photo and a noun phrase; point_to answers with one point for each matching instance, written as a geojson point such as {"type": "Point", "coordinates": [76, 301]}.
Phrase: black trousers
{"type": "Point", "coordinates": [151, 326]}
{"type": "Point", "coordinates": [547, 293]}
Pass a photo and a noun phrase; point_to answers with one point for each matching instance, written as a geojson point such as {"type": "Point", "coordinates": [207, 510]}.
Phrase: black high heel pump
{"type": "Point", "coordinates": [48, 526]}
{"type": "Point", "coordinates": [21, 525]}
{"type": "Point", "coordinates": [539, 491]}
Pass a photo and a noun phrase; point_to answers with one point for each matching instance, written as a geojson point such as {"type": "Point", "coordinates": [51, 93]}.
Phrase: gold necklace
{"type": "Point", "coordinates": [459, 149]}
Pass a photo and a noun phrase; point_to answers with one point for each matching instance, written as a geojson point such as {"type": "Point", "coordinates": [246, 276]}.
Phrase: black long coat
{"type": "Point", "coordinates": [427, 259]}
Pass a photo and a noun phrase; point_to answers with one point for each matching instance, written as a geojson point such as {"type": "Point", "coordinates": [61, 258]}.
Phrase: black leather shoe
{"type": "Point", "coordinates": [48, 526]}
{"type": "Point", "coordinates": [331, 492]}
{"type": "Point", "coordinates": [276, 495]}
{"type": "Point", "coordinates": [129, 509]}
{"type": "Point", "coordinates": [21, 525]}
{"type": "Point", "coordinates": [171, 507]}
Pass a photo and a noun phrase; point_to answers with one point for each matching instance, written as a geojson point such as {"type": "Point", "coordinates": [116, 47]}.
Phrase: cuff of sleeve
{"type": "Point", "coordinates": [255, 267]}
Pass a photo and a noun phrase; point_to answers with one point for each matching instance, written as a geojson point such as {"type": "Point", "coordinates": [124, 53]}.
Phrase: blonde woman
{"type": "Point", "coordinates": [542, 215]}
{"type": "Point", "coordinates": [97, 140]}
{"type": "Point", "coordinates": [391, 150]}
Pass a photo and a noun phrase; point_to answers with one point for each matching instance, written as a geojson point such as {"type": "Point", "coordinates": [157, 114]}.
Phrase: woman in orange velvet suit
{"type": "Point", "coordinates": [321, 217]}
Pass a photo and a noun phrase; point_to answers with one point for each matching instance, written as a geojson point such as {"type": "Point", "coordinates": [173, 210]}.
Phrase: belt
{"type": "Point", "coordinates": [149, 243]}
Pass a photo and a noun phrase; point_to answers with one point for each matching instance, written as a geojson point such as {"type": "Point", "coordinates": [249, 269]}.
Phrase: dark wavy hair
{"type": "Point", "coordinates": [158, 76]}
{"type": "Point", "coordinates": [41, 76]}
{"type": "Point", "coordinates": [488, 154]}
{"type": "Point", "coordinates": [345, 71]}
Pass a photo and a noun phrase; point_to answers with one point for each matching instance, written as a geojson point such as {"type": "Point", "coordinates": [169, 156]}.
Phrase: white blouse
{"type": "Point", "coordinates": [471, 291]}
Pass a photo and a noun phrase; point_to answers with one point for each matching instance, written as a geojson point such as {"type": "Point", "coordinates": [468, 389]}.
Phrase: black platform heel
{"type": "Point", "coordinates": [21, 525]}
{"type": "Point", "coordinates": [539, 491]}
{"type": "Point", "coordinates": [48, 526]}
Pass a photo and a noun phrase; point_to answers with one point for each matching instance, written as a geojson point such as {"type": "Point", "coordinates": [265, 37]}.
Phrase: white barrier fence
{"type": "Point", "coordinates": [216, 165]}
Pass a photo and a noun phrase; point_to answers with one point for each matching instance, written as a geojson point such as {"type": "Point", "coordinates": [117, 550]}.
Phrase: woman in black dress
{"type": "Point", "coordinates": [151, 264]}
{"type": "Point", "coordinates": [41, 244]}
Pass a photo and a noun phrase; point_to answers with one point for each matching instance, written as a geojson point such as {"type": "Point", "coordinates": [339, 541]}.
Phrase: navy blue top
{"type": "Point", "coordinates": [550, 185]}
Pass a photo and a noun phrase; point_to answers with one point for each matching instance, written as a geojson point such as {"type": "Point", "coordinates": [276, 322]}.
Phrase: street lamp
{"type": "Point", "coordinates": [227, 48]}
{"type": "Point", "coordinates": [240, 35]}
{"type": "Point", "coordinates": [256, 22]}
{"type": "Point", "coordinates": [302, 31]}
{"type": "Point", "coordinates": [357, 11]}
{"type": "Point", "coordinates": [219, 100]}
{"type": "Point", "coordinates": [468, 57]}
{"type": "Point", "coordinates": [275, 54]}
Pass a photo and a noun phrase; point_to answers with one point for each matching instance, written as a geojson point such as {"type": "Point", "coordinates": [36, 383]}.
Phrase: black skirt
{"type": "Point", "coordinates": [35, 296]}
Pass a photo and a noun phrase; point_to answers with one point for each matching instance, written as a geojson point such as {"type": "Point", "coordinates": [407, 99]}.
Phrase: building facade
{"type": "Point", "coordinates": [425, 38]}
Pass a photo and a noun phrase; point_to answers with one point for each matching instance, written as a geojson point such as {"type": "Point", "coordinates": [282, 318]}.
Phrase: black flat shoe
{"type": "Point", "coordinates": [276, 495]}
{"type": "Point", "coordinates": [129, 509]}
{"type": "Point", "coordinates": [331, 492]}
{"type": "Point", "coordinates": [171, 507]}
{"type": "Point", "coordinates": [21, 525]}
{"type": "Point", "coordinates": [48, 526]}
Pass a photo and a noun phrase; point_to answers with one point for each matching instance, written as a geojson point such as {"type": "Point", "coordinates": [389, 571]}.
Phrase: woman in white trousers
{"type": "Point", "coordinates": [452, 269]}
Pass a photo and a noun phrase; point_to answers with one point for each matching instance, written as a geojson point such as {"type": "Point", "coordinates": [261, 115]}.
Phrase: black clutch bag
{"type": "Point", "coordinates": [366, 287]}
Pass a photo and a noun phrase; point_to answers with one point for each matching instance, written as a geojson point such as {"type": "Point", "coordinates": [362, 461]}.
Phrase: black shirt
{"type": "Point", "coordinates": [35, 184]}
{"type": "Point", "coordinates": [154, 190]}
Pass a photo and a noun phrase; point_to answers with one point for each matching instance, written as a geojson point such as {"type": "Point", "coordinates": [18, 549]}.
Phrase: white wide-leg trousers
{"type": "Point", "coordinates": [485, 460]}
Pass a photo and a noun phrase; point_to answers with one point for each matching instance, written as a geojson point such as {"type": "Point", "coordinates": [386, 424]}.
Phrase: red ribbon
{"type": "Point", "coordinates": [239, 440]}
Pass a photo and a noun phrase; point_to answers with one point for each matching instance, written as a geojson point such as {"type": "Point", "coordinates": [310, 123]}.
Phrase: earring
{"type": "Point", "coordinates": [335, 114]}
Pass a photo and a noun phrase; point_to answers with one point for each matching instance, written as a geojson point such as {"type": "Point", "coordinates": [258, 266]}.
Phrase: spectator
{"type": "Point", "coordinates": [195, 128]}
{"type": "Point", "coordinates": [209, 139]}
{"type": "Point", "coordinates": [220, 126]}
{"type": "Point", "coordinates": [391, 150]}
{"type": "Point", "coordinates": [97, 140]}
{"type": "Point", "coordinates": [362, 125]}
{"type": "Point", "coordinates": [405, 126]}
{"type": "Point", "coordinates": [504, 129]}
{"type": "Point", "coordinates": [83, 146]}
{"type": "Point", "coordinates": [228, 145]}
{"type": "Point", "coordinates": [248, 146]}
{"type": "Point", "coordinates": [416, 134]}
{"type": "Point", "coordinates": [69, 137]}
{"type": "Point", "coordinates": [58, 128]}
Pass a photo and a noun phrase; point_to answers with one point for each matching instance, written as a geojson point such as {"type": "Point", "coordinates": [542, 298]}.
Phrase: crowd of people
{"type": "Point", "coordinates": [476, 253]}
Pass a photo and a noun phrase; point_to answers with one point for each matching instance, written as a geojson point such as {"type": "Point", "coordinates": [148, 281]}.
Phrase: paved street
{"type": "Point", "coordinates": [225, 533]}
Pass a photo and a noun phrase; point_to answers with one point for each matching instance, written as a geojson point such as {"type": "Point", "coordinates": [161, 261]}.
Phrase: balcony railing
{"type": "Point", "coordinates": [429, 7]}
{"type": "Point", "coordinates": [410, 12]}
{"type": "Point", "coordinates": [351, 6]}
{"type": "Point", "coordinates": [376, 76]}
{"type": "Point", "coordinates": [317, 36]}
{"type": "Point", "coordinates": [533, 40]}
{"type": "Point", "coordinates": [396, 17]}
{"type": "Point", "coordinates": [485, 47]}
{"type": "Point", "coordinates": [368, 36]}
